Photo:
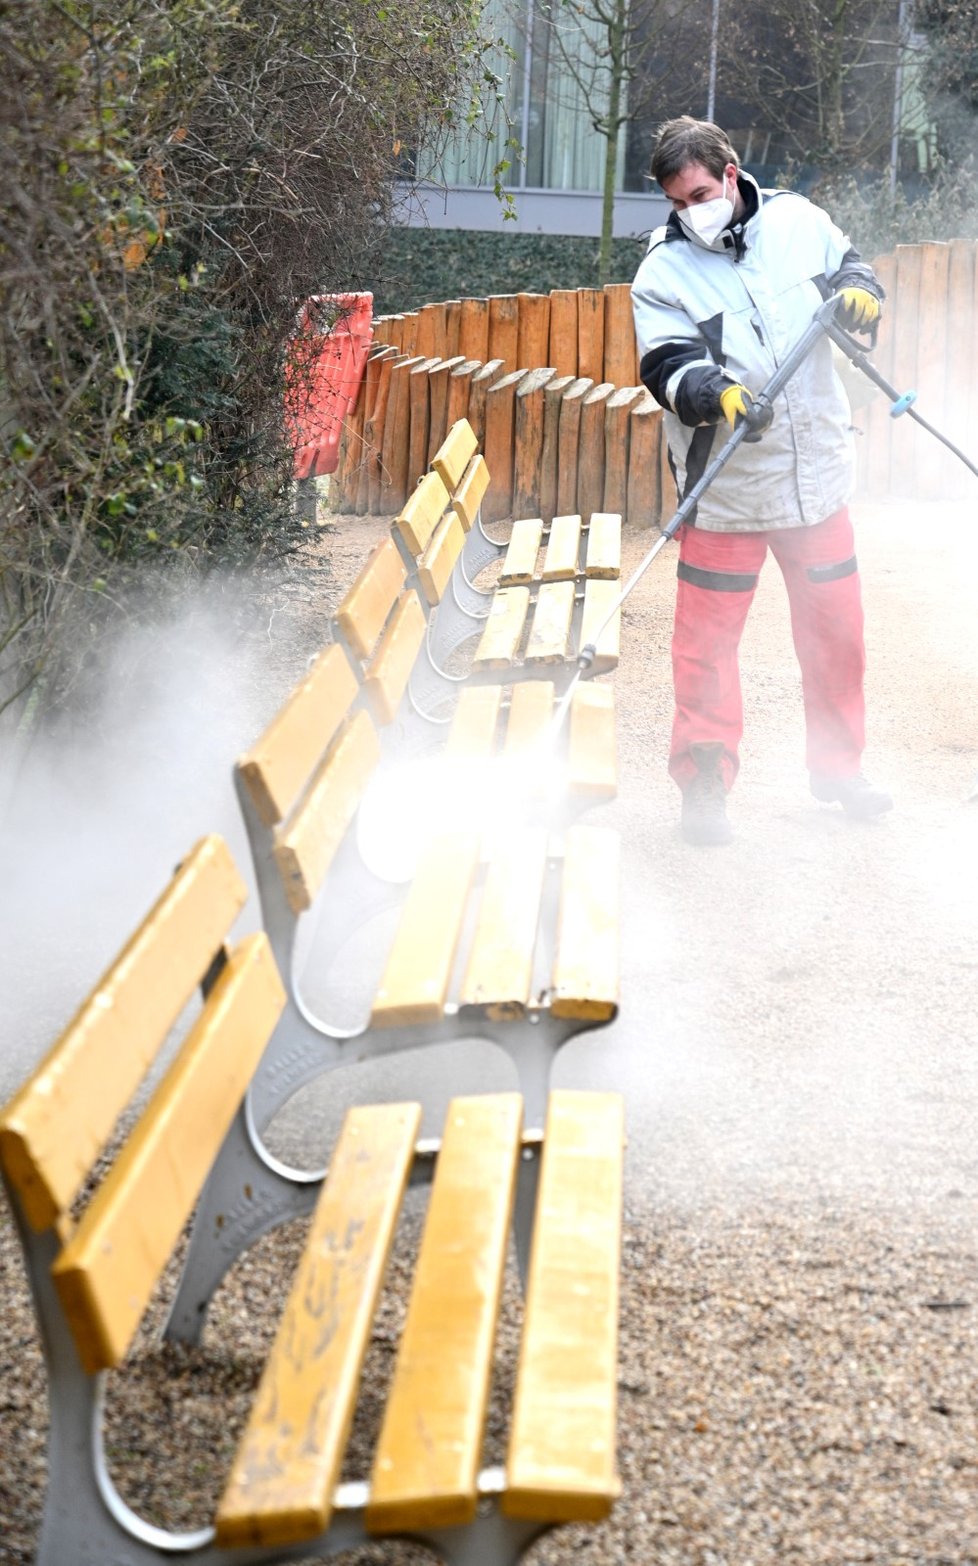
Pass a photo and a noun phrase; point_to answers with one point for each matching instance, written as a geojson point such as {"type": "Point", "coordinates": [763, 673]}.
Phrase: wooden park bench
{"type": "Point", "coordinates": [102, 1193]}
{"type": "Point", "coordinates": [506, 930]}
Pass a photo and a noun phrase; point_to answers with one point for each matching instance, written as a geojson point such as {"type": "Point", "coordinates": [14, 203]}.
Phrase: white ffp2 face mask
{"type": "Point", "coordinates": [706, 220]}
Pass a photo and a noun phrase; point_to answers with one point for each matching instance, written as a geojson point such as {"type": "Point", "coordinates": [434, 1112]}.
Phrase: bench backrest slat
{"type": "Point", "coordinates": [603, 557]}
{"type": "Point", "coordinates": [284, 1476]}
{"type": "Point", "coordinates": [442, 1377]}
{"type": "Point", "coordinates": [455, 452]}
{"type": "Point", "coordinates": [415, 982]}
{"type": "Point", "coordinates": [549, 639]}
{"type": "Point", "coordinates": [592, 744]}
{"type": "Point", "coordinates": [599, 600]}
{"type": "Point", "coordinates": [585, 976]}
{"type": "Point", "coordinates": [561, 562]}
{"type": "Point", "coordinates": [520, 562]}
{"type": "Point", "coordinates": [503, 628]}
{"type": "Point", "coordinates": [390, 668]}
{"type": "Point", "coordinates": [105, 1274]}
{"type": "Point", "coordinates": [438, 561]}
{"type": "Point", "coordinates": [53, 1130]}
{"type": "Point", "coordinates": [470, 493]}
{"type": "Point", "coordinates": [276, 768]}
{"type": "Point", "coordinates": [499, 974]}
{"type": "Point", "coordinates": [305, 848]}
{"type": "Point", "coordinates": [421, 514]}
{"type": "Point", "coordinates": [363, 613]}
{"type": "Point", "coordinates": [561, 1459]}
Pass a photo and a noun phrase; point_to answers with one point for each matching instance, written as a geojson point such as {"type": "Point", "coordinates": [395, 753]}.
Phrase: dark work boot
{"type": "Point", "coordinates": [704, 816]}
{"type": "Point", "coordinates": [856, 795]}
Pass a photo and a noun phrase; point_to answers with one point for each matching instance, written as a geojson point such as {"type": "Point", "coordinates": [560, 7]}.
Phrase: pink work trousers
{"type": "Point", "coordinates": [717, 580]}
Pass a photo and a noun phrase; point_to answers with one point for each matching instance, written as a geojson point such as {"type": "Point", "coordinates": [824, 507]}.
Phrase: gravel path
{"type": "Point", "coordinates": [797, 1046]}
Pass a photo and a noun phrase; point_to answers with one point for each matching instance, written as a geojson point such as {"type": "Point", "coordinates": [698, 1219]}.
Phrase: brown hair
{"type": "Point", "coordinates": [684, 141]}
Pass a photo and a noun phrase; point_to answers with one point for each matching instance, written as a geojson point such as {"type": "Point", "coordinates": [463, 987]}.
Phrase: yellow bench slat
{"type": "Point", "coordinates": [304, 850]}
{"type": "Point", "coordinates": [503, 629]}
{"type": "Point", "coordinates": [106, 1273]}
{"type": "Point", "coordinates": [520, 562]}
{"type": "Point", "coordinates": [473, 728]}
{"type": "Point", "coordinates": [498, 978]}
{"type": "Point", "coordinates": [585, 976]}
{"type": "Point", "coordinates": [561, 562]}
{"type": "Point", "coordinates": [530, 710]}
{"type": "Point", "coordinates": [592, 742]}
{"type": "Point", "coordinates": [428, 1456]}
{"type": "Point", "coordinates": [455, 452]}
{"type": "Point", "coordinates": [363, 613]}
{"type": "Point", "coordinates": [419, 967]}
{"type": "Point", "coordinates": [561, 1458]}
{"type": "Point", "coordinates": [603, 557]}
{"type": "Point", "coordinates": [438, 561]}
{"type": "Point", "coordinates": [54, 1128]}
{"type": "Point", "coordinates": [421, 514]}
{"type": "Point", "coordinates": [276, 767]}
{"type": "Point", "coordinates": [390, 668]}
{"type": "Point", "coordinates": [599, 599]}
{"type": "Point", "coordinates": [549, 639]}
{"type": "Point", "coordinates": [471, 491]}
{"type": "Point", "coordinates": [281, 1487]}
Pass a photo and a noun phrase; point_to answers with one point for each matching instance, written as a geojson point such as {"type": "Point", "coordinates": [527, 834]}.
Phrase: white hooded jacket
{"type": "Point", "coordinates": [738, 306]}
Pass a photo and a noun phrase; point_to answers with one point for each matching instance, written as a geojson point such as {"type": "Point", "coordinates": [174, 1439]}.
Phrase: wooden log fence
{"type": "Point", "coordinates": [550, 385]}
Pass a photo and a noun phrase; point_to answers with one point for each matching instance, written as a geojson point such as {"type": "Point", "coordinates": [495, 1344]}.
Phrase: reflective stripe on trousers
{"type": "Point", "coordinates": [717, 579]}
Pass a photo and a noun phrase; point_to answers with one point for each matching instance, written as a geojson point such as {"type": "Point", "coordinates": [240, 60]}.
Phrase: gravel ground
{"type": "Point", "coordinates": [797, 1047]}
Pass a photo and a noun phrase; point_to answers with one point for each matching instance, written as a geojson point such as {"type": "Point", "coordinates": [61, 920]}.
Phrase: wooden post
{"type": "Point", "coordinates": [479, 387]}
{"type": "Point", "coordinates": [533, 334]}
{"type": "Point", "coordinates": [376, 433]}
{"type": "Point", "coordinates": [875, 477]}
{"type": "Point", "coordinates": [905, 445]}
{"type": "Point", "coordinates": [427, 334]}
{"type": "Point", "coordinates": [528, 448]}
{"type": "Point", "coordinates": [371, 450]}
{"type": "Point", "coordinates": [409, 337]}
{"type": "Point", "coordinates": [453, 320]}
{"type": "Point", "coordinates": [932, 339]}
{"type": "Point", "coordinates": [962, 371]}
{"type": "Point", "coordinates": [590, 462]}
{"type": "Point", "coordinates": [473, 329]}
{"type": "Point", "coordinates": [616, 435]}
{"type": "Point", "coordinates": [504, 325]}
{"type": "Point", "coordinates": [459, 384]}
{"type": "Point", "coordinates": [419, 403]}
{"type": "Point", "coordinates": [438, 403]}
{"type": "Point", "coordinates": [590, 332]}
{"type": "Point", "coordinates": [643, 507]}
{"type": "Point", "coordinates": [553, 394]}
{"type": "Point", "coordinates": [500, 433]}
{"type": "Point", "coordinates": [620, 366]}
{"type": "Point", "coordinates": [395, 451]}
{"type": "Point", "coordinates": [568, 433]}
{"type": "Point", "coordinates": [563, 331]}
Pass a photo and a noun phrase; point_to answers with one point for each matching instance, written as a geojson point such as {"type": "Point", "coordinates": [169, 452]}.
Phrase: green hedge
{"type": "Point", "coordinates": [424, 266]}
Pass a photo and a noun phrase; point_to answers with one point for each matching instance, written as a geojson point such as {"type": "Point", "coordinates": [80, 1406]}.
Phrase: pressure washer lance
{"type": "Point", "coordinates": [823, 323]}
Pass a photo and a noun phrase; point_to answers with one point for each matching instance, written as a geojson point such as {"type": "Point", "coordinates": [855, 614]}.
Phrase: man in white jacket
{"type": "Point", "coordinates": [726, 289]}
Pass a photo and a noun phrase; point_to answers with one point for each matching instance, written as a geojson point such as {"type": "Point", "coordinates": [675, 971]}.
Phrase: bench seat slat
{"type": "Point", "coordinates": [561, 561]}
{"type": "Point", "coordinates": [276, 767]}
{"type": "Point", "coordinates": [107, 1271]}
{"type": "Point", "coordinates": [530, 710]}
{"type": "Point", "coordinates": [414, 987]}
{"type": "Point", "coordinates": [54, 1128]}
{"type": "Point", "coordinates": [561, 1458]}
{"type": "Point", "coordinates": [603, 557]}
{"type": "Point", "coordinates": [592, 749]}
{"type": "Point", "coordinates": [455, 452]}
{"type": "Point", "coordinates": [393, 661]}
{"type": "Point", "coordinates": [549, 639]}
{"type": "Point", "coordinates": [585, 976]}
{"type": "Point", "coordinates": [520, 562]}
{"type": "Point", "coordinates": [503, 628]}
{"type": "Point", "coordinates": [421, 514]}
{"type": "Point", "coordinates": [304, 849]}
{"type": "Point", "coordinates": [282, 1483]}
{"type": "Point", "coordinates": [438, 561]}
{"type": "Point", "coordinates": [599, 599]}
{"type": "Point", "coordinates": [363, 613]}
{"type": "Point", "coordinates": [499, 974]}
{"type": "Point", "coordinates": [473, 728]}
{"type": "Point", "coordinates": [428, 1456]}
{"type": "Point", "coordinates": [471, 491]}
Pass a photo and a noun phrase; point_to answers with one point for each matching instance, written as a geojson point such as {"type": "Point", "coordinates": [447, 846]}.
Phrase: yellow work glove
{"type": "Point", "coordinates": [858, 310]}
{"type": "Point", "coordinates": [737, 403]}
